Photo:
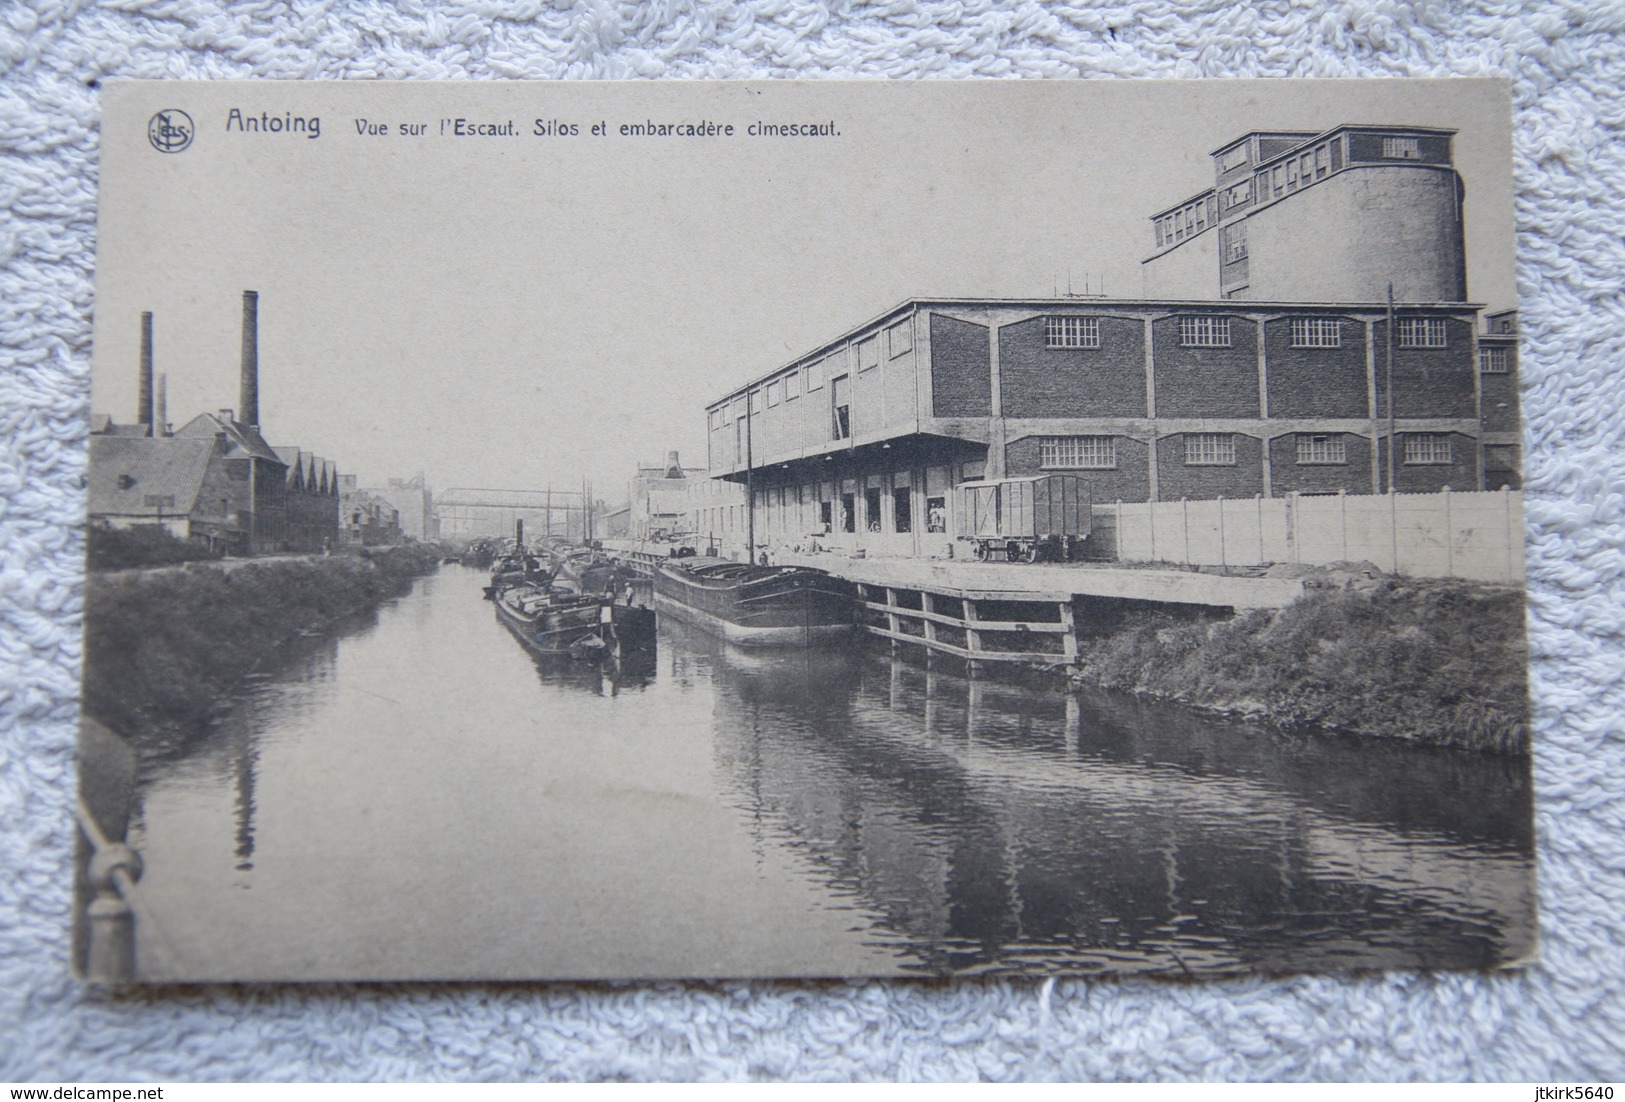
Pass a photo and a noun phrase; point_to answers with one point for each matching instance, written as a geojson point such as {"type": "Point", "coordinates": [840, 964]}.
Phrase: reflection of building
{"type": "Point", "coordinates": [215, 479]}
{"type": "Point", "coordinates": [995, 826]}
{"type": "Point", "coordinates": [1261, 372]}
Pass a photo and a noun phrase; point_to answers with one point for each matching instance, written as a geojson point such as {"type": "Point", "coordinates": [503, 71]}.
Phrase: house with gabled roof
{"type": "Point", "coordinates": [181, 485]}
{"type": "Point", "coordinates": [256, 474]}
{"type": "Point", "coordinates": [216, 477]}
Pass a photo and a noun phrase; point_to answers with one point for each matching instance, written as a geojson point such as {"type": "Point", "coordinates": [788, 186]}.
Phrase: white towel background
{"type": "Point", "coordinates": [1561, 1021]}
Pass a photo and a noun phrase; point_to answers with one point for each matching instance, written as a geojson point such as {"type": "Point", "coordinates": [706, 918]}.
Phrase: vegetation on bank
{"type": "Point", "coordinates": [126, 548]}
{"type": "Point", "coordinates": [163, 648]}
{"type": "Point", "coordinates": [1438, 662]}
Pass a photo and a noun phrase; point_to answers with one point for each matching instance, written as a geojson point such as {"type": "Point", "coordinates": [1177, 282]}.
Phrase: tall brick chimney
{"type": "Point", "coordinates": [160, 409]}
{"type": "Point", "coordinates": [143, 409]}
{"type": "Point", "coordinates": [248, 402]}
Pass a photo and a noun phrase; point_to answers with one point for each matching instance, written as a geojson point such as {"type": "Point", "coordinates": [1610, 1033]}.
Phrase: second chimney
{"type": "Point", "coordinates": [248, 402]}
{"type": "Point", "coordinates": [143, 409]}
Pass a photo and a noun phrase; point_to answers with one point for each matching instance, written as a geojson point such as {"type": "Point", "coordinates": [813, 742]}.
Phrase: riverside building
{"type": "Point", "coordinates": [1230, 383]}
{"type": "Point", "coordinates": [215, 480]}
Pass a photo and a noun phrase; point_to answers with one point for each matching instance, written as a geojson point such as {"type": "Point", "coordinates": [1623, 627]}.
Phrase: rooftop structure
{"type": "Point", "coordinates": [1332, 216]}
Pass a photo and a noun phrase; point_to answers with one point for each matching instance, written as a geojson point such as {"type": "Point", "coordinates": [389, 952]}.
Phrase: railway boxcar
{"type": "Point", "coordinates": [1026, 519]}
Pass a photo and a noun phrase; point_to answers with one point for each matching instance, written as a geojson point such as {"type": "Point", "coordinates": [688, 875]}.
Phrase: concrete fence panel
{"type": "Point", "coordinates": [1476, 535]}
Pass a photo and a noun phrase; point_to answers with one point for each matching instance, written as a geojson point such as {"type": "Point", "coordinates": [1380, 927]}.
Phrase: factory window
{"type": "Point", "coordinates": [824, 516]}
{"type": "Point", "coordinates": [1204, 331]}
{"type": "Point", "coordinates": [1315, 447]}
{"type": "Point", "coordinates": [1201, 216]}
{"type": "Point", "coordinates": [774, 390]}
{"type": "Point", "coordinates": [1292, 173]}
{"type": "Point", "coordinates": [936, 514]}
{"type": "Point", "coordinates": [792, 385]}
{"type": "Point", "coordinates": [902, 510]}
{"type": "Point", "coordinates": [1427, 448]}
{"type": "Point", "coordinates": [1317, 333]}
{"type": "Point", "coordinates": [841, 409]}
{"type": "Point", "coordinates": [756, 401]}
{"type": "Point", "coordinates": [1278, 179]}
{"type": "Point", "coordinates": [1422, 333]}
{"type": "Point", "coordinates": [1492, 361]}
{"type": "Point", "coordinates": [1089, 453]}
{"type": "Point", "coordinates": [1239, 195]}
{"type": "Point", "coordinates": [869, 354]}
{"type": "Point", "coordinates": [1402, 148]}
{"type": "Point", "coordinates": [849, 513]}
{"type": "Point", "coordinates": [1235, 242]}
{"type": "Point", "coordinates": [1072, 332]}
{"type": "Point", "coordinates": [900, 339]}
{"type": "Point", "coordinates": [1234, 159]}
{"type": "Point", "coordinates": [1323, 160]}
{"type": "Point", "coordinates": [814, 374]}
{"type": "Point", "coordinates": [1306, 166]}
{"type": "Point", "coordinates": [1500, 457]}
{"type": "Point", "coordinates": [1210, 449]}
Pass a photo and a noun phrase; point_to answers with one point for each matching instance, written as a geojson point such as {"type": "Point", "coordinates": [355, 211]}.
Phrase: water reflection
{"type": "Point", "coordinates": [421, 796]}
{"type": "Point", "coordinates": [1003, 827]}
{"type": "Point", "coordinates": [608, 676]}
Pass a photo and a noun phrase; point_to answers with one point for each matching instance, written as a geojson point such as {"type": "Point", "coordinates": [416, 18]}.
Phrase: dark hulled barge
{"type": "Point", "coordinates": [757, 606]}
{"type": "Point", "coordinates": [558, 622]}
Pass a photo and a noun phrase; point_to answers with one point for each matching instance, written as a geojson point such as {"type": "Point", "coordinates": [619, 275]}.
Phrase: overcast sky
{"type": "Point", "coordinates": [513, 311]}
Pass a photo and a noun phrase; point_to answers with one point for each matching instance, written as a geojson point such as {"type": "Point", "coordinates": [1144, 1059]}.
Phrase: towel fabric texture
{"type": "Point", "coordinates": [1559, 1021]}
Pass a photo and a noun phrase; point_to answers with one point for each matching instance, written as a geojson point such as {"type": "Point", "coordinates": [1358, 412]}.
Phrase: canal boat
{"type": "Point", "coordinates": [757, 606]}
{"type": "Point", "coordinates": [515, 569]}
{"type": "Point", "coordinates": [561, 622]}
{"type": "Point", "coordinates": [587, 569]}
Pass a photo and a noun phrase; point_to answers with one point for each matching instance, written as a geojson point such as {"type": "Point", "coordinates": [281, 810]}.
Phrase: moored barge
{"type": "Point", "coordinates": [557, 622]}
{"type": "Point", "coordinates": [757, 606]}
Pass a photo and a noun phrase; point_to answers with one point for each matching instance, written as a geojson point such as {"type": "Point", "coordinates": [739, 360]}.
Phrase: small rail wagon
{"type": "Point", "coordinates": [1044, 517]}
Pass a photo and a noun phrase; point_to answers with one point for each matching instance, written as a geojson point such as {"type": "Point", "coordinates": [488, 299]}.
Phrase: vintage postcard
{"type": "Point", "coordinates": [635, 530]}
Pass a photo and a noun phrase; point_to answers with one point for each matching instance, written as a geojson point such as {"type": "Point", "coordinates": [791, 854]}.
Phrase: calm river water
{"type": "Point", "coordinates": [419, 798]}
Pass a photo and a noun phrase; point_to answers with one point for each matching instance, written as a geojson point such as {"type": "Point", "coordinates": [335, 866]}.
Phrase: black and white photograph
{"type": "Point", "coordinates": [627, 531]}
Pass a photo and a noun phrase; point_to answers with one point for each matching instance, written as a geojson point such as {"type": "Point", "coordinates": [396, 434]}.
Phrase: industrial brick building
{"type": "Point", "coordinates": [1498, 400]}
{"type": "Point", "coordinates": [1235, 386]}
{"type": "Point", "coordinates": [1381, 205]}
{"type": "Point", "coordinates": [215, 480]}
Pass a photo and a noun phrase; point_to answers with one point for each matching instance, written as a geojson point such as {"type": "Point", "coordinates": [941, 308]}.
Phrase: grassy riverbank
{"type": "Point", "coordinates": [1437, 662]}
{"type": "Point", "coordinates": [164, 647]}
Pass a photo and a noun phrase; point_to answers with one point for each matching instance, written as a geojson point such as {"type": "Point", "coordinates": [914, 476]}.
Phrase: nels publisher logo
{"type": "Point", "coordinates": [170, 131]}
